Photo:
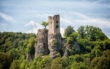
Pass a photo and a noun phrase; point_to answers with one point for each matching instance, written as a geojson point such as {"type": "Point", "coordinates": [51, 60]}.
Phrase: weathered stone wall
{"type": "Point", "coordinates": [50, 23]}
{"type": "Point", "coordinates": [50, 41]}
{"type": "Point", "coordinates": [54, 24]}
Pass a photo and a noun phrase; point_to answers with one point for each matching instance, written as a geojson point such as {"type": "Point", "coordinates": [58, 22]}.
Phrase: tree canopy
{"type": "Point", "coordinates": [69, 30]}
{"type": "Point", "coordinates": [88, 48]}
{"type": "Point", "coordinates": [44, 24]}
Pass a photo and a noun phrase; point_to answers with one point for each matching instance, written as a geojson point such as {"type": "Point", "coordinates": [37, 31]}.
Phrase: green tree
{"type": "Point", "coordinates": [5, 61]}
{"type": "Point", "coordinates": [100, 63]}
{"type": "Point", "coordinates": [14, 54]}
{"type": "Point", "coordinates": [91, 33]}
{"type": "Point", "coordinates": [15, 64]}
{"type": "Point", "coordinates": [76, 65]}
{"type": "Point", "coordinates": [59, 63]}
{"type": "Point", "coordinates": [30, 46]}
{"type": "Point", "coordinates": [68, 31]}
{"type": "Point", "coordinates": [78, 58]}
{"type": "Point", "coordinates": [74, 36]}
{"type": "Point", "coordinates": [45, 61]}
{"type": "Point", "coordinates": [81, 31]}
{"type": "Point", "coordinates": [24, 64]}
{"type": "Point", "coordinates": [106, 53]}
{"type": "Point", "coordinates": [44, 24]}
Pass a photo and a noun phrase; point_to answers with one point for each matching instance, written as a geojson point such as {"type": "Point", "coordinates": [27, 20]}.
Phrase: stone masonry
{"type": "Point", "coordinates": [50, 41]}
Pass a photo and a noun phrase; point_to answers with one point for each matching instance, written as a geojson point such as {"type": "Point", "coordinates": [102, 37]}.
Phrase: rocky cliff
{"type": "Point", "coordinates": [41, 44]}
{"type": "Point", "coordinates": [48, 44]}
{"type": "Point", "coordinates": [55, 45]}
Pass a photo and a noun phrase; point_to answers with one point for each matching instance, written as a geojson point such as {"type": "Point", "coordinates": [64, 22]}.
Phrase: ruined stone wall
{"type": "Point", "coordinates": [50, 42]}
{"type": "Point", "coordinates": [55, 44]}
{"type": "Point", "coordinates": [50, 21]}
{"type": "Point", "coordinates": [54, 24]}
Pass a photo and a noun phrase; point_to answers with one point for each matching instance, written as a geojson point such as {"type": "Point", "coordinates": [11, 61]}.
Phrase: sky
{"type": "Point", "coordinates": [27, 15]}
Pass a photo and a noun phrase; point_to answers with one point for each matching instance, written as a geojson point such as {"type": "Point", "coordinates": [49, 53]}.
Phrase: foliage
{"type": "Point", "coordinates": [91, 33]}
{"type": "Point", "coordinates": [81, 31]}
{"type": "Point", "coordinates": [77, 62]}
{"type": "Point", "coordinates": [5, 61]}
{"type": "Point", "coordinates": [100, 63]}
{"type": "Point", "coordinates": [44, 24]}
{"type": "Point", "coordinates": [30, 46]}
{"type": "Point", "coordinates": [69, 30]}
{"type": "Point", "coordinates": [59, 63]}
{"type": "Point", "coordinates": [15, 64]}
{"type": "Point", "coordinates": [54, 42]}
{"type": "Point", "coordinates": [14, 46]}
{"type": "Point", "coordinates": [94, 50]}
{"type": "Point", "coordinates": [12, 40]}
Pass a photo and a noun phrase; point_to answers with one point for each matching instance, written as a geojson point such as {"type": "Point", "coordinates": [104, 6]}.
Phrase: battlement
{"type": "Point", "coordinates": [54, 24]}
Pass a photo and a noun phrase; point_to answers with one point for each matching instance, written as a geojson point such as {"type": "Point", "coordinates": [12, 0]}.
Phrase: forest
{"type": "Point", "coordinates": [94, 52]}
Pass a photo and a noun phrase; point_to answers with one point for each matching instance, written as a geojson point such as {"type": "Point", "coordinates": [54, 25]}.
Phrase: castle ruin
{"type": "Point", "coordinates": [50, 41]}
{"type": "Point", "coordinates": [54, 24]}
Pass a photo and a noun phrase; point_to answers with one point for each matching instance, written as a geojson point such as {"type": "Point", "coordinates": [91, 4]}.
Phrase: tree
{"type": "Point", "coordinates": [81, 31]}
{"type": "Point", "coordinates": [44, 24]}
{"type": "Point", "coordinates": [76, 65]}
{"type": "Point", "coordinates": [24, 64]}
{"type": "Point", "coordinates": [106, 53]}
{"type": "Point", "coordinates": [75, 36]}
{"type": "Point", "coordinates": [78, 58]}
{"type": "Point", "coordinates": [59, 63]}
{"type": "Point", "coordinates": [5, 61]}
{"type": "Point", "coordinates": [15, 64]}
{"type": "Point", "coordinates": [100, 63]}
{"type": "Point", "coordinates": [68, 31]}
{"type": "Point", "coordinates": [14, 54]}
{"type": "Point", "coordinates": [91, 33]}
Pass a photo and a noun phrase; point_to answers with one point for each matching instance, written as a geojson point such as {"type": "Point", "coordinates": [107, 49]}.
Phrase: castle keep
{"type": "Point", "coordinates": [54, 24]}
{"type": "Point", "coordinates": [50, 41]}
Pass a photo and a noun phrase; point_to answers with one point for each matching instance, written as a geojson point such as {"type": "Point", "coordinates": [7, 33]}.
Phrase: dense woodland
{"type": "Point", "coordinates": [94, 50]}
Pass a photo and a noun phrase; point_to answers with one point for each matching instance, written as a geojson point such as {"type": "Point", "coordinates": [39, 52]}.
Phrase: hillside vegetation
{"type": "Point", "coordinates": [94, 52]}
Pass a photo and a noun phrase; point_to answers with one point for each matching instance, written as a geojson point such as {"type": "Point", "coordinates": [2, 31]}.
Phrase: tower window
{"type": "Point", "coordinates": [56, 21]}
{"type": "Point", "coordinates": [56, 26]}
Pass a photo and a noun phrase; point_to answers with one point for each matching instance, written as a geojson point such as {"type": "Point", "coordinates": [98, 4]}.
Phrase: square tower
{"type": "Point", "coordinates": [54, 24]}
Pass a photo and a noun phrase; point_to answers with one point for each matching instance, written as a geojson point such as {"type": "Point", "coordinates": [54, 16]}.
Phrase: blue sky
{"type": "Point", "coordinates": [27, 15]}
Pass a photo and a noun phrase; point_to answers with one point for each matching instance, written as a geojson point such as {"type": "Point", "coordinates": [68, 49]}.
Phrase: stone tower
{"type": "Point", "coordinates": [54, 24]}
{"type": "Point", "coordinates": [55, 44]}
{"type": "Point", "coordinates": [50, 41]}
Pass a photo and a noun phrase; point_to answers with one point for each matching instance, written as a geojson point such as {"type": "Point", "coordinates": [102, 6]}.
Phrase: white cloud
{"type": "Point", "coordinates": [30, 23]}
{"type": "Point", "coordinates": [34, 28]}
{"type": "Point", "coordinates": [7, 17]}
{"type": "Point", "coordinates": [62, 31]}
{"type": "Point", "coordinates": [37, 26]}
{"type": "Point", "coordinates": [65, 20]}
{"type": "Point", "coordinates": [78, 19]}
{"type": "Point", "coordinates": [82, 16]}
{"type": "Point", "coordinates": [97, 1]}
{"type": "Point", "coordinates": [86, 20]}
